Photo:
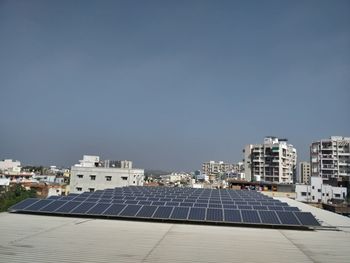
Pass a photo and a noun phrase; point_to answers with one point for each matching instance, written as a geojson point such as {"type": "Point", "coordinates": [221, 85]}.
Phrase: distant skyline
{"type": "Point", "coordinates": [170, 84]}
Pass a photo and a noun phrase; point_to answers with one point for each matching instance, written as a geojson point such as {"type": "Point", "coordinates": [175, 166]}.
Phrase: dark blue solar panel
{"type": "Point", "coordinates": [68, 207]}
{"type": "Point", "coordinates": [197, 214]}
{"type": "Point", "coordinates": [82, 208]}
{"type": "Point", "coordinates": [23, 204]}
{"type": "Point", "coordinates": [291, 208]}
{"type": "Point", "coordinates": [231, 215]}
{"type": "Point", "coordinates": [214, 205]}
{"type": "Point", "coordinates": [172, 203]}
{"type": "Point", "coordinates": [98, 209]}
{"type": "Point", "coordinates": [244, 207]}
{"type": "Point", "coordinates": [306, 218]}
{"type": "Point", "coordinates": [186, 204]}
{"type": "Point", "coordinates": [180, 213]}
{"type": "Point", "coordinates": [145, 202]}
{"type": "Point", "coordinates": [130, 210]}
{"type": "Point", "coordinates": [287, 218]}
{"type": "Point", "coordinates": [163, 212]}
{"type": "Point", "coordinates": [227, 206]}
{"type": "Point", "coordinates": [114, 209]}
{"type": "Point", "coordinates": [131, 202]}
{"type": "Point", "coordinates": [259, 207]}
{"type": "Point", "coordinates": [146, 211]}
{"type": "Point", "coordinates": [250, 216]}
{"type": "Point", "coordinates": [158, 203]}
{"type": "Point", "coordinates": [275, 208]}
{"type": "Point", "coordinates": [53, 206]}
{"type": "Point", "coordinates": [38, 205]}
{"type": "Point", "coordinates": [269, 217]}
{"type": "Point", "coordinates": [214, 214]}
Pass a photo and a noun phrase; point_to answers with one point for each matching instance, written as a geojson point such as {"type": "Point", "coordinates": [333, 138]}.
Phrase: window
{"type": "Point", "coordinates": [337, 195]}
{"type": "Point", "coordinates": [313, 198]}
{"type": "Point", "coordinates": [124, 178]}
{"type": "Point", "coordinates": [319, 190]}
{"type": "Point", "coordinates": [313, 187]}
{"type": "Point", "coordinates": [134, 182]}
{"type": "Point", "coordinates": [79, 189]}
{"type": "Point", "coordinates": [303, 193]}
{"type": "Point", "coordinates": [108, 178]}
{"type": "Point", "coordinates": [93, 177]}
{"type": "Point", "coordinates": [327, 194]}
{"type": "Point", "coordinates": [80, 176]}
{"type": "Point", "coordinates": [91, 189]}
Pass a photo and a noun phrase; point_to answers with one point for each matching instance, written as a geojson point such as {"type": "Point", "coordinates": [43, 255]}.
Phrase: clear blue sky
{"type": "Point", "coordinates": [170, 84]}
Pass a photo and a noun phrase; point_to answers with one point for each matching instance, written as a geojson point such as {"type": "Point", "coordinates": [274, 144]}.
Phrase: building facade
{"type": "Point", "coordinates": [10, 166]}
{"type": "Point", "coordinates": [330, 158]}
{"type": "Point", "coordinates": [94, 175]}
{"type": "Point", "coordinates": [318, 192]}
{"type": "Point", "coordinates": [273, 161]}
{"type": "Point", "coordinates": [304, 173]}
{"type": "Point", "coordinates": [214, 168]}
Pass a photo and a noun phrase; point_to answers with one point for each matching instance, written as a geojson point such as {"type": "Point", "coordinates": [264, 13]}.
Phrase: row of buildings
{"type": "Point", "coordinates": [275, 161]}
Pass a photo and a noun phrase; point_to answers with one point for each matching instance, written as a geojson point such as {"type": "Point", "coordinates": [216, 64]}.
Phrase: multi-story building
{"type": "Point", "coordinates": [91, 174]}
{"type": "Point", "coordinates": [304, 173]}
{"type": "Point", "coordinates": [319, 192]}
{"type": "Point", "coordinates": [273, 161]}
{"type": "Point", "coordinates": [214, 168]}
{"type": "Point", "coordinates": [330, 158]}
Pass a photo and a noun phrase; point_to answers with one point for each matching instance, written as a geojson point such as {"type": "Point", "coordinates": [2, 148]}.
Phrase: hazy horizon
{"type": "Point", "coordinates": [170, 84]}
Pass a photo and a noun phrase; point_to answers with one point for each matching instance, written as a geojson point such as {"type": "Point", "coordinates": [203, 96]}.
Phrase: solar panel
{"type": "Point", "coordinates": [146, 211]}
{"type": "Point", "coordinates": [38, 205]}
{"type": "Point", "coordinates": [53, 206]}
{"type": "Point", "coordinates": [197, 214]}
{"type": "Point", "coordinates": [250, 216]}
{"type": "Point", "coordinates": [269, 217]}
{"type": "Point", "coordinates": [98, 209]}
{"type": "Point", "coordinates": [214, 214]}
{"type": "Point", "coordinates": [184, 204]}
{"type": "Point", "coordinates": [114, 209]}
{"type": "Point", "coordinates": [231, 215]}
{"type": "Point", "coordinates": [67, 207]}
{"type": "Point", "coordinates": [130, 210]}
{"type": "Point", "coordinates": [306, 218]}
{"type": "Point", "coordinates": [180, 213]}
{"type": "Point", "coordinates": [82, 208]}
{"type": "Point", "coordinates": [163, 212]}
{"type": "Point", "coordinates": [23, 204]}
{"type": "Point", "coordinates": [287, 218]}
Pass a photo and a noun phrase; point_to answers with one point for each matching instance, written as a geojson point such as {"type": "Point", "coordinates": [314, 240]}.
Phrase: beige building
{"type": "Point", "coordinates": [91, 174]}
{"type": "Point", "coordinates": [304, 172]}
{"type": "Point", "coordinates": [273, 161]}
{"type": "Point", "coordinates": [330, 158]}
{"type": "Point", "coordinates": [214, 168]}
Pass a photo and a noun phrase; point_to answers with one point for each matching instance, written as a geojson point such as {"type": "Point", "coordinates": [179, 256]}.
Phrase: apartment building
{"type": "Point", "coordinates": [304, 173]}
{"type": "Point", "coordinates": [214, 168]}
{"type": "Point", "coordinates": [330, 158]}
{"type": "Point", "coordinates": [272, 161]}
{"type": "Point", "coordinates": [91, 174]}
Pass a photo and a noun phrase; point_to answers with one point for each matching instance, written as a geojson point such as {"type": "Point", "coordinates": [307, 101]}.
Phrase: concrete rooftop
{"type": "Point", "coordinates": [35, 238]}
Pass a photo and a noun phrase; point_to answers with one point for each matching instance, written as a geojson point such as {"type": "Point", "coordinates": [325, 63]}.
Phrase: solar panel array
{"type": "Point", "coordinates": [220, 206]}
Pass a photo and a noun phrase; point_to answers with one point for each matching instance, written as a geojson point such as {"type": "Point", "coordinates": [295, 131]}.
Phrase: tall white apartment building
{"type": "Point", "coordinates": [213, 168]}
{"type": "Point", "coordinates": [91, 174]}
{"type": "Point", "coordinates": [330, 158]}
{"type": "Point", "coordinates": [273, 161]}
{"type": "Point", "coordinates": [304, 173]}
